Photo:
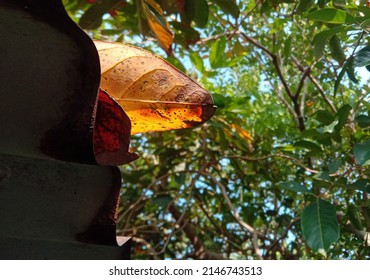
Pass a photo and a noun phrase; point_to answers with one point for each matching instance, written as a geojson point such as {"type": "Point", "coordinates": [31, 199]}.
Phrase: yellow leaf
{"type": "Point", "coordinates": [158, 24]}
{"type": "Point", "coordinates": [242, 133]}
{"type": "Point", "coordinates": [155, 95]}
{"type": "Point", "coordinates": [155, 6]}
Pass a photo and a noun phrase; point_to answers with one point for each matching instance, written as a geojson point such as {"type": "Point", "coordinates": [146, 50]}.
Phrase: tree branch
{"type": "Point", "coordinates": [249, 228]}
{"type": "Point", "coordinates": [191, 232]}
{"type": "Point", "coordinates": [316, 84]}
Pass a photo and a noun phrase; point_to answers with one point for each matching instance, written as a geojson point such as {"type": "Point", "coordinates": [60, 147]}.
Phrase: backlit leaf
{"type": "Point", "coordinates": [197, 61]}
{"type": "Point", "coordinates": [330, 15]}
{"type": "Point", "coordinates": [111, 133]}
{"type": "Point", "coordinates": [351, 69]}
{"type": "Point", "coordinates": [242, 133]}
{"type": "Point", "coordinates": [155, 95]}
{"type": "Point", "coordinates": [158, 24]}
{"type": "Point", "coordinates": [362, 57]}
{"type": "Point", "coordinates": [217, 55]}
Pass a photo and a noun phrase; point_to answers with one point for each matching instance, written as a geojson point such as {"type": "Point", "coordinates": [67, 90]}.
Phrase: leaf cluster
{"type": "Point", "coordinates": [281, 170]}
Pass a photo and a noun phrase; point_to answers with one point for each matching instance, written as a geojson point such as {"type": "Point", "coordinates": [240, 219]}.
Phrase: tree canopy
{"type": "Point", "coordinates": [281, 170]}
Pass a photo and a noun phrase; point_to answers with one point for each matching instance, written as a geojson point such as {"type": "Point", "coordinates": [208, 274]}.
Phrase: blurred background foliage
{"type": "Point", "coordinates": [281, 170]}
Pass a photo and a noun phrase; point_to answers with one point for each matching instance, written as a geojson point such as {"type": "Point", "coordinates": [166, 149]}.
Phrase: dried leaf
{"type": "Point", "coordinates": [111, 133]}
{"type": "Point", "coordinates": [155, 95]}
{"type": "Point", "coordinates": [158, 24]}
{"type": "Point", "coordinates": [242, 133]}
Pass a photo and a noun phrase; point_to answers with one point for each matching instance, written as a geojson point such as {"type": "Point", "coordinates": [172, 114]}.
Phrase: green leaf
{"type": "Point", "coordinates": [180, 178]}
{"type": "Point", "coordinates": [365, 24]}
{"type": "Point", "coordinates": [354, 216]}
{"type": "Point", "coordinates": [197, 11]}
{"type": "Point", "coordinates": [319, 225]}
{"type": "Point", "coordinates": [304, 5]}
{"type": "Point", "coordinates": [362, 153]}
{"type": "Point", "coordinates": [322, 176]}
{"type": "Point", "coordinates": [362, 57]}
{"type": "Point", "coordinates": [293, 186]}
{"type": "Point", "coordinates": [92, 18]}
{"type": "Point", "coordinates": [363, 121]}
{"type": "Point", "coordinates": [336, 49]}
{"type": "Point", "coordinates": [287, 46]}
{"type": "Point", "coordinates": [162, 200]}
{"type": "Point", "coordinates": [331, 15]}
{"type": "Point", "coordinates": [308, 145]}
{"type": "Point", "coordinates": [197, 61]}
{"type": "Point", "coordinates": [322, 38]}
{"type": "Point", "coordinates": [176, 62]}
{"type": "Point", "coordinates": [325, 117]}
{"type": "Point", "coordinates": [365, 10]}
{"type": "Point", "coordinates": [335, 165]}
{"type": "Point", "coordinates": [217, 55]}
{"type": "Point", "coordinates": [339, 79]}
{"type": "Point", "coordinates": [322, 3]}
{"type": "Point", "coordinates": [201, 13]}
{"type": "Point", "coordinates": [342, 115]}
{"type": "Point", "coordinates": [350, 69]}
{"type": "Point", "coordinates": [229, 7]}
{"type": "Point", "coordinates": [361, 185]}
{"type": "Point", "coordinates": [219, 100]}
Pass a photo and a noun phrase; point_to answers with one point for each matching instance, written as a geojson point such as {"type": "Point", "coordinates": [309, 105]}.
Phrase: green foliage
{"type": "Point", "coordinates": [361, 152]}
{"type": "Point", "coordinates": [281, 170]}
{"type": "Point", "coordinates": [319, 225]}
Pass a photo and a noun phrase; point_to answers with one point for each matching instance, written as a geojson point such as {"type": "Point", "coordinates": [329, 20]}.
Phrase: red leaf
{"type": "Point", "coordinates": [112, 132]}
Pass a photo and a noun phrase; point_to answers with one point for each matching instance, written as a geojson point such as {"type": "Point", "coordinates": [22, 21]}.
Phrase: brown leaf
{"type": "Point", "coordinates": [111, 133]}
{"type": "Point", "coordinates": [155, 95]}
{"type": "Point", "coordinates": [158, 24]}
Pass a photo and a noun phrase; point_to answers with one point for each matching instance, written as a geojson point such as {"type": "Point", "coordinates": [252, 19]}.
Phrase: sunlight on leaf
{"type": "Point", "coordinates": [158, 24]}
{"type": "Point", "coordinates": [330, 15]}
{"type": "Point", "coordinates": [244, 134]}
{"type": "Point", "coordinates": [154, 94]}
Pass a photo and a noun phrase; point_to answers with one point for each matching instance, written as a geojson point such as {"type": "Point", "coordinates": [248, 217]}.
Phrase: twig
{"type": "Point", "coordinates": [236, 215]}
{"type": "Point", "coordinates": [279, 155]}
{"type": "Point", "coordinates": [316, 83]}
{"type": "Point", "coordinates": [148, 245]}
{"type": "Point", "coordinates": [285, 233]}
